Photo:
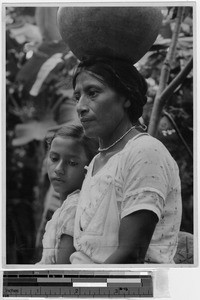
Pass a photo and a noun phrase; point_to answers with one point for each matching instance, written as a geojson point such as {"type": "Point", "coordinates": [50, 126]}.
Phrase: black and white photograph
{"type": "Point", "coordinates": [100, 135]}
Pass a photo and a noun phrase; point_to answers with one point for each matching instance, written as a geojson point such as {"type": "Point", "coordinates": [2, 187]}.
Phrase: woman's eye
{"type": "Point", "coordinates": [72, 163]}
{"type": "Point", "coordinates": [76, 97]}
{"type": "Point", "coordinates": [92, 93]}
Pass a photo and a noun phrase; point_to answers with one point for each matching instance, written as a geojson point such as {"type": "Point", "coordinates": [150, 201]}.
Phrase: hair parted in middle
{"type": "Point", "coordinates": [75, 131]}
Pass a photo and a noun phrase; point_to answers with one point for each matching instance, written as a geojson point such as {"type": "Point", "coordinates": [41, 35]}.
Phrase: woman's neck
{"type": "Point", "coordinates": [110, 138]}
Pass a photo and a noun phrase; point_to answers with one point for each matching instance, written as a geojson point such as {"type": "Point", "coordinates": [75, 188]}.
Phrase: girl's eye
{"type": "Point", "coordinates": [53, 158]}
{"type": "Point", "coordinates": [72, 163]}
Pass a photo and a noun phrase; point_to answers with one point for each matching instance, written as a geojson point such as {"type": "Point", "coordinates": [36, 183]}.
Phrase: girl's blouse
{"type": "Point", "coordinates": [62, 222]}
{"type": "Point", "coordinates": [141, 176]}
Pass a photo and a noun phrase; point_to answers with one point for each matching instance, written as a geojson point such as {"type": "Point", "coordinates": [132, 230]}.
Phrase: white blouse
{"type": "Point", "coordinates": [141, 176]}
{"type": "Point", "coordinates": [62, 222]}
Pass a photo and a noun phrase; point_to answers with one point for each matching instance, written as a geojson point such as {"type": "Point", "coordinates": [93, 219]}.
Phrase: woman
{"type": "Point", "coordinates": [130, 203]}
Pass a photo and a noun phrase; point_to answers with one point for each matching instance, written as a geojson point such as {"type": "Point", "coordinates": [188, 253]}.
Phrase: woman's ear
{"type": "Point", "coordinates": [127, 103]}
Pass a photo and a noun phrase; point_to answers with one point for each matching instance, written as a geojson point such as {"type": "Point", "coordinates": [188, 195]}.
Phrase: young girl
{"type": "Point", "coordinates": [69, 152]}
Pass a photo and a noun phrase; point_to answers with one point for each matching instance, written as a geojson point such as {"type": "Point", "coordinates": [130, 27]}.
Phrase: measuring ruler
{"type": "Point", "coordinates": [77, 284]}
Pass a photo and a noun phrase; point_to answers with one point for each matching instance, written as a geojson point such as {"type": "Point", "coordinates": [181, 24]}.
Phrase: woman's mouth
{"type": "Point", "coordinates": [57, 179]}
{"type": "Point", "coordinates": [85, 121]}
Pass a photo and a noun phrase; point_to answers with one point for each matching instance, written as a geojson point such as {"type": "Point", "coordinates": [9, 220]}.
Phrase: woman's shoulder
{"type": "Point", "coordinates": [146, 148]}
{"type": "Point", "coordinates": [146, 143]}
{"type": "Point", "coordinates": [143, 138]}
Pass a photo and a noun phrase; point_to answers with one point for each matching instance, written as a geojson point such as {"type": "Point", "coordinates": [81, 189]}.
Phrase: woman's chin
{"type": "Point", "coordinates": [89, 132]}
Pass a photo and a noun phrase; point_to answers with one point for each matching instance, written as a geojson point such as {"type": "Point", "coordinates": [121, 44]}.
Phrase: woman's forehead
{"type": "Point", "coordinates": [87, 77]}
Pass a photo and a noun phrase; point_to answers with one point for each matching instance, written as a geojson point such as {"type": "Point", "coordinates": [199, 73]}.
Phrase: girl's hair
{"type": "Point", "coordinates": [76, 131]}
{"type": "Point", "coordinates": [120, 75]}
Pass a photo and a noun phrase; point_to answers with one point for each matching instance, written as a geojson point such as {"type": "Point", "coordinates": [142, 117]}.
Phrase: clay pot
{"type": "Point", "coordinates": [122, 32]}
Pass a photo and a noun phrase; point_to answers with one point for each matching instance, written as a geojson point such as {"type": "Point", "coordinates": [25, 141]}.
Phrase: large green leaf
{"type": "Point", "coordinates": [33, 130]}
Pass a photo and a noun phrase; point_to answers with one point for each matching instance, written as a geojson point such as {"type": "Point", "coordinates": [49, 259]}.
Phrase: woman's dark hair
{"type": "Point", "coordinates": [120, 75]}
{"type": "Point", "coordinates": [75, 131]}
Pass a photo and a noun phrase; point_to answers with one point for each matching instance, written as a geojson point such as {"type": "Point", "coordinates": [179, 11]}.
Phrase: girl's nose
{"type": "Point", "coordinates": [82, 106]}
{"type": "Point", "coordinates": [59, 168]}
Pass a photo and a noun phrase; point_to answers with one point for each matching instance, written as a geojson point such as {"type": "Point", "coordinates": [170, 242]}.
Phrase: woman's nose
{"type": "Point", "coordinates": [82, 106]}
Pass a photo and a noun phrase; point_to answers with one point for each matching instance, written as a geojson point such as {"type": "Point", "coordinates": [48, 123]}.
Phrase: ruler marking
{"type": "Point", "coordinates": [72, 284]}
{"type": "Point", "coordinates": [124, 284]}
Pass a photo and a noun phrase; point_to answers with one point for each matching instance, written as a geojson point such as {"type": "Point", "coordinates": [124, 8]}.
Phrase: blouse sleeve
{"type": "Point", "coordinates": [67, 216]}
{"type": "Point", "coordinates": [146, 179]}
{"type": "Point", "coordinates": [49, 240]}
{"type": "Point", "coordinates": [62, 222]}
{"type": "Point", "coordinates": [144, 200]}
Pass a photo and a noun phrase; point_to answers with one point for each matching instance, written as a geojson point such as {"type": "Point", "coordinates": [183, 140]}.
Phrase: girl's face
{"type": "Point", "coordinates": [65, 164]}
{"type": "Point", "coordinates": [100, 108]}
